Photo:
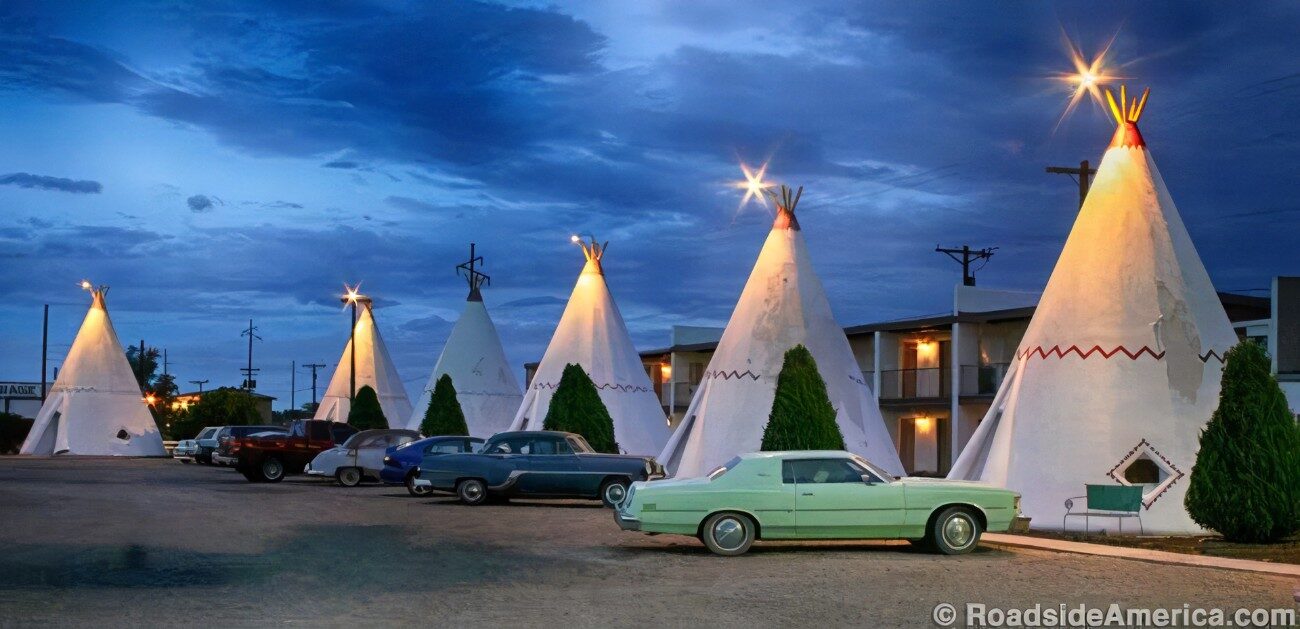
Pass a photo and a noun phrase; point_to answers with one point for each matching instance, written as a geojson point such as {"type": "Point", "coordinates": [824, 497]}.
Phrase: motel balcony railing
{"type": "Point", "coordinates": [936, 382]}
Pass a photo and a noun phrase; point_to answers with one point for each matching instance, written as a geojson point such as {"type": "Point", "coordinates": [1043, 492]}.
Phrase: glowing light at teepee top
{"type": "Point", "coordinates": [1088, 77]}
{"type": "Point", "coordinates": [352, 295]}
{"type": "Point", "coordinates": [753, 185]}
{"type": "Point", "coordinates": [86, 285]}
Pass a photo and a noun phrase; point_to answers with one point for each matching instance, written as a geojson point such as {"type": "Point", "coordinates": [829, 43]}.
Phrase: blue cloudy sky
{"type": "Point", "coordinates": [229, 160]}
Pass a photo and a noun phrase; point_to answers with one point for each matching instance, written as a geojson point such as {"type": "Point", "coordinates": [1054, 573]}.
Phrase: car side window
{"type": "Point", "coordinates": [298, 430]}
{"type": "Point", "coordinates": [562, 447]}
{"type": "Point", "coordinates": [446, 447]}
{"type": "Point", "coordinates": [820, 471]}
{"type": "Point", "coordinates": [319, 431]}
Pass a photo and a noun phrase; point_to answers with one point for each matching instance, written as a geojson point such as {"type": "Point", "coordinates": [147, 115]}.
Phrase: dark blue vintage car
{"type": "Point", "coordinates": [536, 464]}
{"type": "Point", "coordinates": [400, 461]}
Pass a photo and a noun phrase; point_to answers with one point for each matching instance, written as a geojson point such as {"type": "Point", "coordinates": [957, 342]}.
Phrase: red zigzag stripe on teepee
{"type": "Point", "coordinates": [1096, 349]}
{"type": "Point", "coordinates": [625, 388]}
{"type": "Point", "coordinates": [731, 375]}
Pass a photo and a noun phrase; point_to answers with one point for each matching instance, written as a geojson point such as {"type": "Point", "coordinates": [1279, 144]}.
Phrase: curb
{"type": "Point", "coordinates": [1011, 542]}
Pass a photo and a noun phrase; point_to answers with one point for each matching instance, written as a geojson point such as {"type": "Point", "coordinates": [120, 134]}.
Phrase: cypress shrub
{"type": "Point", "coordinates": [576, 408]}
{"type": "Point", "coordinates": [366, 413]}
{"type": "Point", "coordinates": [13, 431]}
{"type": "Point", "coordinates": [444, 415]}
{"type": "Point", "coordinates": [1246, 480]}
{"type": "Point", "coordinates": [802, 416]}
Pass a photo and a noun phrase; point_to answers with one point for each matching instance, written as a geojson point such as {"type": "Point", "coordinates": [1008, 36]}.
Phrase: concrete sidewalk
{"type": "Point", "coordinates": [1009, 541]}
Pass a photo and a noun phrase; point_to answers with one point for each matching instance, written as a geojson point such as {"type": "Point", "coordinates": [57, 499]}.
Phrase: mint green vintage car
{"type": "Point", "coordinates": [816, 495]}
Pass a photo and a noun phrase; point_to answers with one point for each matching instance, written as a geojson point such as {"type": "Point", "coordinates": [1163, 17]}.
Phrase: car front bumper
{"type": "Point", "coordinates": [224, 459]}
{"type": "Point", "coordinates": [627, 522]}
{"type": "Point", "coordinates": [310, 471]}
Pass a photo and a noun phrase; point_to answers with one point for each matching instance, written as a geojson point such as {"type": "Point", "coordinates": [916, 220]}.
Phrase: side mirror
{"type": "Point", "coordinates": [869, 479]}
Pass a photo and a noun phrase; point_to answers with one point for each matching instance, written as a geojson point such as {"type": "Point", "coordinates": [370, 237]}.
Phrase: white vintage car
{"type": "Point", "coordinates": [361, 457]}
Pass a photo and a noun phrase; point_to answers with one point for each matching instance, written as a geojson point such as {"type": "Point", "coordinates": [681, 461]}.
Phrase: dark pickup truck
{"type": "Point", "coordinates": [269, 458]}
{"type": "Point", "coordinates": [535, 464]}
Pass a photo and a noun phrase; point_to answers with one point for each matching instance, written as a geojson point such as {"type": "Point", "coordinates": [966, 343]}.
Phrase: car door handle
{"type": "Point", "coordinates": [807, 493]}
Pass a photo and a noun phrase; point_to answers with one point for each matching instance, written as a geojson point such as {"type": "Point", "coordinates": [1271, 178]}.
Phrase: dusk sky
{"type": "Point", "coordinates": [233, 160]}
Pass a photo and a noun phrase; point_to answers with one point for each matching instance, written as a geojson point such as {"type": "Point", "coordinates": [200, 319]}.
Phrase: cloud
{"type": "Point", "coordinates": [44, 182]}
{"type": "Point", "coordinates": [534, 302]}
{"type": "Point", "coordinates": [342, 164]}
{"type": "Point", "coordinates": [199, 203]}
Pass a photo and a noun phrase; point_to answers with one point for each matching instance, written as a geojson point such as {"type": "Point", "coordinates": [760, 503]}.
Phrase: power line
{"type": "Point", "coordinates": [968, 256]}
{"type": "Point", "coordinates": [1081, 175]}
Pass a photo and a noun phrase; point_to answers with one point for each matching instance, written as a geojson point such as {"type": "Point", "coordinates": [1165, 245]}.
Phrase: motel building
{"type": "Point", "coordinates": [935, 376]}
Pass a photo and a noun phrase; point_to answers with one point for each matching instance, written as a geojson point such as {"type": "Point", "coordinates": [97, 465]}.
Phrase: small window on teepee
{"type": "Point", "coordinates": [1144, 466]}
{"type": "Point", "coordinates": [123, 435]}
{"type": "Point", "coordinates": [1144, 471]}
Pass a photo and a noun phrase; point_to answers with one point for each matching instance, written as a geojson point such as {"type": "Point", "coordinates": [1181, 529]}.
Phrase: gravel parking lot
{"type": "Point", "coordinates": [131, 542]}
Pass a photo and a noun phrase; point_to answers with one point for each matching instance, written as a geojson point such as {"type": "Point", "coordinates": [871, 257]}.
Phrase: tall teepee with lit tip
{"type": "Point", "coordinates": [1120, 366]}
{"type": "Point", "coordinates": [592, 334]}
{"type": "Point", "coordinates": [374, 367]}
{"type": "Point", "coordinates": [96, 406]}
{"type": "Point", "coordinates": [782, 305]}
{"type": "Point", "coordinates": [485, 385]}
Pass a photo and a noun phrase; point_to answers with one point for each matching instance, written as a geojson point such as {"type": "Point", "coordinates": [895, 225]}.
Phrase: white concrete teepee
{"type": "Point", "coordinates": [485, 385]}
{"type": "Point", "coordinates": [374, 368]}
{"type": "Point", "coordinates": [1120, 366]}
{"type": "Point", "coordinates": [592, 334]}
{"type": "Point", "coordinates": [95, 406]}
{"type": "Point", "coordinates": [782, 305]}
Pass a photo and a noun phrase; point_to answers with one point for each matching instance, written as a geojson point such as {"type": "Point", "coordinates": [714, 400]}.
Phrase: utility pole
{"type": "Point", "coordinates": [200, 383]}
{"type": "Point", "coordinates": [314, 367]}
{"type": "Point", "coordinates": [45, 349]}
{"type": "Point", "coordinates": [1081, 175]}
{"type": "Point", "coordinates": [249, 372]}
{"type": "Point", "coordinates": [968, 255]}
{"type": "Point", "coordinates": [139, 361]}
{"type": "Point", "coordinates": [293, 385]}
{"type": "Point", "coordinates": [165, 361]}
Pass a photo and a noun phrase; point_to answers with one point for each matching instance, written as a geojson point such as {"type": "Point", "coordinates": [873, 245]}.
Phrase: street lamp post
{"type": "Point", "coordinates": [350, 297]}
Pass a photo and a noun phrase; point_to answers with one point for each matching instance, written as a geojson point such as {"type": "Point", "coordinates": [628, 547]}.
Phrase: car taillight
{"type": "Point", "coordinates": [388, 460]}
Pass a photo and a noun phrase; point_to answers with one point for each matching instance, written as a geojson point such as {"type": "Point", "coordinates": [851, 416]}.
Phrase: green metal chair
{"type": "Point", "coordinates": [1107, 501]}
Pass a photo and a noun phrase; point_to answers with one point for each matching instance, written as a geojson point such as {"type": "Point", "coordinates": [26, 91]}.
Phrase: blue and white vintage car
{"type": "Point", "coordinates": [536, 464]}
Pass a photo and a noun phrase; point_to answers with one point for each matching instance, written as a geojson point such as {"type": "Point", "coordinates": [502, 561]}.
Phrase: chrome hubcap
{"type": "Point", "coordinates": [958, 531]}
{"type": "Point", "coordinates": [615, 493]}
{"type": "Point", "coordinates": [728, 533]}
{"type": "Point", "coordinates": [273, 469]}
{"type": "Point", "coordinates": [350, 477]}
{"type": "Point", "coordinates": [473, 491]}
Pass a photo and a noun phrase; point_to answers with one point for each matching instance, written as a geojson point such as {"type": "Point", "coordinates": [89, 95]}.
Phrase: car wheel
{"type": "Point", "coordinates": [416, 491]}
{"type": "Point", "coordinates": [185, 461]}
{"type": "Point", "coordinates": [728, 534]}
{"type": "Point", "coordinates": [472, 491]}
{"type": "Point", "coordinates": [955, 532]}
{"type": "Point", "coordinates": [613, 491]}
{"type": "Point", "coordinates": [348, 476]}
{"type": "Point", "coordinates": [272, 470]}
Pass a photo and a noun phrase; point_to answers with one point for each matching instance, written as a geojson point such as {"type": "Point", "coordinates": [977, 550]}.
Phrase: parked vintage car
{"type": "Point", "coordinates": [359, 458]}
{"type": "Point", "coordinates": [207, 444]}
{"type": "Point", "coordinates": [270, 457]}
{"type": "Point", "coordinates": [187, 450]}
{"type": "Point", "coordinates": [535, 464]}
{"type": "Point", "coordinates": [229, 440]}
{"type": "Point", "coordinates": [816, 495]}
{"type": "Point", "coordinates": [400, 461]}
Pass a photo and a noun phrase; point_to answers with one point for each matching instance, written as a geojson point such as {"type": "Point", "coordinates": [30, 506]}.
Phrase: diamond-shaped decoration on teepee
{"type": "Point", "coordinates": [1145, 466]}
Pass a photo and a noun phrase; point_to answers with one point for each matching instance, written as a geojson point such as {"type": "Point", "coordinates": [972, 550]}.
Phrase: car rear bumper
{"type": "Point", "coordinates": [223, 459]}
{"type": "Point", "coordinates": [422, 483]}
{"type": "Point", "coordinates": [393, 475]}
{"type": "Point", "coordinates": [627, 522]}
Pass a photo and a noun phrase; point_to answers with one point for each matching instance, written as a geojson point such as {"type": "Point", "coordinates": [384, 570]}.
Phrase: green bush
{"type": "Point", "coordinates": [444, 415]}
{"type": "Point", "coordinates": [802, 416]}
{"type": "Point", "coordinates": [13, 431]}
{"type": "Point", "coordinates": [576, 407]}
{"type": "Point", "coordinates": [1246, 480]}
{"type": "Point", "coordinates": [366, 413]}
{"type": "Point", "coordinates": [226, 406]}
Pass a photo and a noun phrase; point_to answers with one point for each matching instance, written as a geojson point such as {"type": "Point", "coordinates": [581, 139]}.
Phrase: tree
{"type": "Point", "coordinates": [144, 366]}
{"type": "Point", "coordinates": [444, 415]}
{"type": "Point", "coordinates": [802, 416]}
{"type": "Point", "coordinates": [13, 431]}
{"type": "Point", "coordinates": [225, 406]}
{"type": "Point", "coordinates": [366, 413]}
{"type": "Point", "coordinates": [1246, 480]}
{"type": "Point", "coordinates": [576, 407]}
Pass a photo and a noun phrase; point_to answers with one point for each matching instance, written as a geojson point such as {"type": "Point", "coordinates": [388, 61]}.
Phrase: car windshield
{"type": "Point", "coordinates": [722, 469]}
{"type": "Point", "coordinates": [206, 433]}
{"type": "Point", "coordinates": [874, 469]}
